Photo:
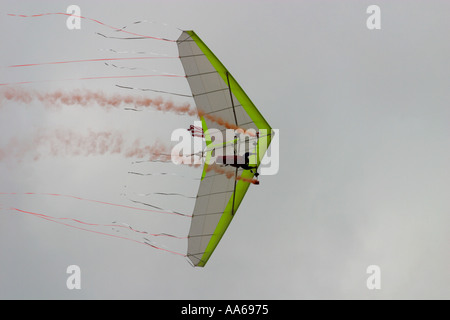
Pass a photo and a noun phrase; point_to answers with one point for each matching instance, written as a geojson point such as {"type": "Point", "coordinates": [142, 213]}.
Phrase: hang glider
{"type": "Point", "coordinates": [217, 93]}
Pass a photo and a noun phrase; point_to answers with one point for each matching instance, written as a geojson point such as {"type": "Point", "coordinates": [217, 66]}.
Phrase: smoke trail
{"type": "Point", "coordinates": [87, 98]}
{"type": "Point", "coordinates": [230, 174]}
{"type": "Point", "coordinates": [62, 142]}
{"type": "Point", "coordinates": [223, 122]}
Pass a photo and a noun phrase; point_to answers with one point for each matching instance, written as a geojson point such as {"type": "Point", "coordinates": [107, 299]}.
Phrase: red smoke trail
{"type": "Point", "coordinates": [48, 218]}
{"type": "Point", "coordinates": [68, 143]}
{"type": "Point", "coordinates": [228, 173]}
{"type": "Point", "coordinates": [87, 98]}
{"type": "Point", "coordinates": [217, 120]}
{"type": "Point", "coordinates": [90, 98]}
{"type": "Point", "coordinates": [216, 168]}
{"type": "Point", "coordinates": [86, 18]}
{"type": "Point", "coordinates": [95, 201]}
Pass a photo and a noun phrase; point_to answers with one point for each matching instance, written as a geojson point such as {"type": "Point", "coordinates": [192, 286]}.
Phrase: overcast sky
{"type": "Point", "coordinates": [364, 173]}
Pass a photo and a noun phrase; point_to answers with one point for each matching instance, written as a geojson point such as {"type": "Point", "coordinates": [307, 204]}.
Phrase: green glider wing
{"type": "Point", "coordinates": [217, 93]}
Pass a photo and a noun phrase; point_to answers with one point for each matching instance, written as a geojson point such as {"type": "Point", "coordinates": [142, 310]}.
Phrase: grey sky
{"type": "Point", "coordinates": [364, 150]}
